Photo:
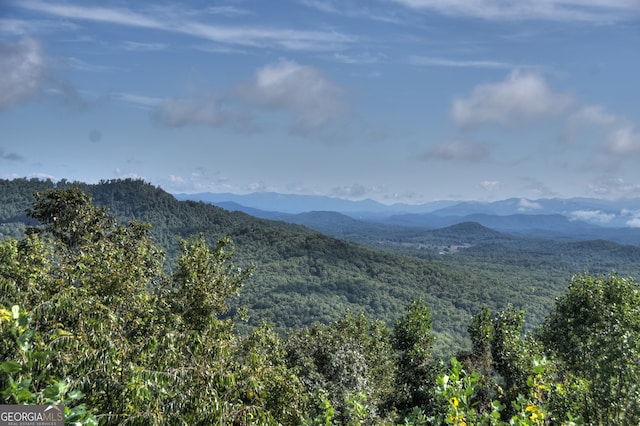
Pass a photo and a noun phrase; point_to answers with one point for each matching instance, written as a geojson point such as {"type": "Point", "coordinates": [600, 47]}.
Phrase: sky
{"type": "Point", "coordinates": [392, 100]}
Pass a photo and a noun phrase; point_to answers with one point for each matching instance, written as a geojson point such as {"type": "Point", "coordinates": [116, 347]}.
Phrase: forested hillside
{"type": "Point", "coordinates": [301, 276]}
{"type": "Point", "coordinates": [91, 318]}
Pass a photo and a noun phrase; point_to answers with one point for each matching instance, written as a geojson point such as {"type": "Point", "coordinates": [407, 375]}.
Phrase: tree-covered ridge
{"type": "Point", "coordinates": [90, 317]}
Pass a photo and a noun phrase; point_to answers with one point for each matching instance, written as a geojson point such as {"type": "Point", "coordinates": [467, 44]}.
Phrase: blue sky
{"type": "Point", "coordinates": [393, 100]}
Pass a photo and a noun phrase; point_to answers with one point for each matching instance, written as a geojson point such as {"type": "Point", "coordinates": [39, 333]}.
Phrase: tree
{"type": "Point", "coordinates": [413, 340]}
{"type": "Point", "coordinates": [512, 351]}
{"type": "Point", "coordinates": [70, 216]}
{"type": "Point", "coordinates": [346, 366]}
{"type": "Point", "coordinates": [144, 347]}
{"type": "Point", "coordinates": [595, 330]}
{"type": "Point", "coordinates": [480, 360]}
{"type": "Point", "coordinates": [204, 279]}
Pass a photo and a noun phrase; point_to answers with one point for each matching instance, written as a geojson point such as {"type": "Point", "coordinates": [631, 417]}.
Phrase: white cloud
{"type": "Point", "coordinates": [358, 10]}
{"type": "Point", "coordinates": [587, 116]}
{"type": "Point", "coordinates": [592, 216]}
{"type": "Point", "coordinates": [634, 221]}
{"type": "Point", "coordinates": [457, 150]}
{"type": "Point", "coordinates": [15, 26]}
{"type": "Point", "coordinates": [23, 68]}
{"type": "Point", "coordinates": [525, 97]}
{"type": "Point", "coordinates": [228, 11]}
{"type": "Point", "coordinates": [618, 138]}
{"type": "Point", "coordinates": [304, 91]}
{"type": "Point", "coordinates": [28, 74]}
{"type": "Point", "coordinates": [522, 97]}
{"type": "Point", "coordinates": [199, 180]}
{"type": "Point", "coordinates": [593, 114]}
{"type": "Point", "coordinates": [177, 180]}
{"type": "Point", "coordinates": [525, 205]}
{"type": "Point", "coordinates": [621, 143]}
{"type": "Point", "coordinates": [99, 14]}
{"type": "Point", "coordinates": [354, 191]}
{"type": "Point", "coordinates": [552, 10]}
{"type": "Point", "coordinates": [80, 65]}
{"type": "Point", "coordinates": [136, 46]}
{"type": "Point", "coordinates": [536, 188]}
{"type": "Point", "coordinates": [611, 187]}
{"type": "Point", "coordinates": [490, 185]}
{"type": "Point", "coordinates": [262, 37]}
{"type": "Point", "coordinates": [20, 27]}
{"type": "Point", "coordinates": [457, 63]}
{"type": "Point", "coordinates": [140, 100]}
{"type": "Point", "coordinates": [177, 21]}
{"type": "Point", "coordinates": [359, 59]}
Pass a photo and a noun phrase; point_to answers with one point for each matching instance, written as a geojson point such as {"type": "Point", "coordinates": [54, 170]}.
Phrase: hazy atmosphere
{"type": "Point", "coordinates": [393, 100]}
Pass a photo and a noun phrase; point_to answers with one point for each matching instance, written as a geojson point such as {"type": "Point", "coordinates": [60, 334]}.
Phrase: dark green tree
{"type": "Point", "coordinates": [480, 360]}
{"type": "Point", "coordinates": [413, 341]}
{"type": "Point", "coordinates": [595, 330]}
{"type": "Point", "coordinates": [204, 280]}
{"type": "Point", "coordinates": [70, 216]}
{"type": "Point", "coordinates": [346, 366]}
{"type": "Point", "coordinates": [142, 346]}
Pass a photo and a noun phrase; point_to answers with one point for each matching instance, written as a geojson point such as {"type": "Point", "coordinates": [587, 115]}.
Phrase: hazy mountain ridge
{"type": "Point", "coordinates": [602, 212]}
{"type": "Point", "coordinates": [293, 203]}
{"type": "Point", "coordinates": [567, 219]}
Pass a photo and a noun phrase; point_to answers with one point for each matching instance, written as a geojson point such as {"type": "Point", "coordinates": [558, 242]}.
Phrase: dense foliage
{"type": "Point", "coordinates": [90, 317]}
{"type": "Point", "coordinates": [301, 277]}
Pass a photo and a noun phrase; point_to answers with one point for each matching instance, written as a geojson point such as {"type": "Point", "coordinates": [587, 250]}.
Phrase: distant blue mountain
{"type": "Point", "coordinates": [595, 211]}
{"type": "Point", "coordinates": [294, 204]}
{"type": "Point", "coordinates": [550, 214]}
{"type": "Point", "coordinates": [232, 206]}
{"type": "Point", "coordinates": [505, 223]}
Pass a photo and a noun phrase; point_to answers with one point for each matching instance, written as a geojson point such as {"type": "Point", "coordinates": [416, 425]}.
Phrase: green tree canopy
{"type": "Point", "coordinates": [595, 330]}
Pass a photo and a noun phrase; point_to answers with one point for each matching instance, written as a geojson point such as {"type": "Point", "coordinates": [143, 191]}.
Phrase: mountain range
{"type": "Point", "coordinates": [568, 219]}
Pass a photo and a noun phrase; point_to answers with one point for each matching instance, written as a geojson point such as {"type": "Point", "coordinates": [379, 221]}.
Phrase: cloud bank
{"type": "Point", "coordinates": [181, 21]}
{"type": "Point", "coordinates": [303, 91]}
{"type": "Point", "coordinates": [523, 97]}
{"type": "Point", "coordinates": [23, 69]}
{"type": "Point", "coordinates": [596, 11]}
{"type": "Point", "coordinates": [620, 139]}
{"type": "Point", "coordinates": [526, 98]}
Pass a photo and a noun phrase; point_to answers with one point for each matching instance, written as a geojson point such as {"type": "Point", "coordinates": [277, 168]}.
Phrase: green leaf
{"type": "Point", "coordinates": [91, 421]}
{"type": "Point", "coordinates": [10, 367]}
{"type": "Point", "coordinates": [75, 395]}
{"type": "Point", "coordinates": [55, 391]}
{"type": "Point", "coordinates": [23, 341]}
{"type": "Point", "coordinates": [24, 395]}
{"type": "Point", "coordinates": [75, 413]}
